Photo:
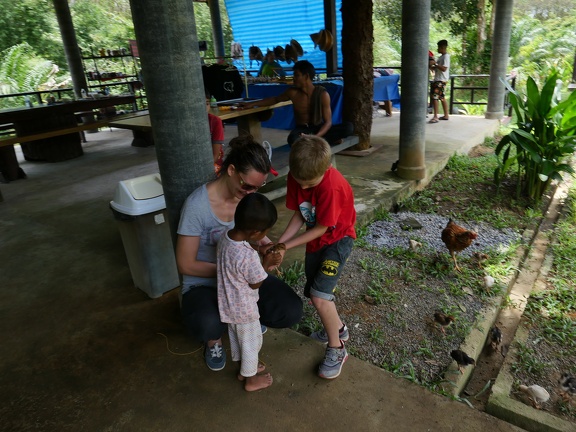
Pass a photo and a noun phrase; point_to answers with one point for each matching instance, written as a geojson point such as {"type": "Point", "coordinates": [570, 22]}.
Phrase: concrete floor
{"type": "Point", "coordinates": [82, 349]}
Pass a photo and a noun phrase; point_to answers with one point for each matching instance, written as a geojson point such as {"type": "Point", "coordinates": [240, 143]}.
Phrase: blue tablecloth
{"type": "Point", "coordinates": [385, 88]}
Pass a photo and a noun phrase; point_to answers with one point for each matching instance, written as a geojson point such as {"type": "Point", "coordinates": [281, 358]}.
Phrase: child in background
{"type": "Point", "coordinates": [441, 68]}
{"type": "Point", "coordinates": [239, 275]}
{"type": "Point", "coordinates": [323, 200]}
{"type": "Point", "coordinates": [216, 136]}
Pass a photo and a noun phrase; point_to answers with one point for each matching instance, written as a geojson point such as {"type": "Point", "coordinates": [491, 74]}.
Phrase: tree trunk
{"type": "Point", "coordinates": [357, 63]}
{"type": "Point", "coordinates": [492, 19]}
{"type": "Point", "coordinates": [464, 41]}
{"type": "Point", "coordinates": [73, 56]}
{"type": "Point", "coordinates": [481, 27]}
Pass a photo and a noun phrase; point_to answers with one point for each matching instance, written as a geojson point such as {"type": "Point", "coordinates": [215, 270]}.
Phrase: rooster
{"type": "Point", "coordinates": [456, 239]}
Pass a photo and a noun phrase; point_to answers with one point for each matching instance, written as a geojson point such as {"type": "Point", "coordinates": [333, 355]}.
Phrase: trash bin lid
{"type": "Point", "coordinates": [140, 195]}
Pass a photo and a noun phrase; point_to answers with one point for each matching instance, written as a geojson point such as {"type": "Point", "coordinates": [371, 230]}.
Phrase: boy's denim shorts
{"type": "Point", "coordinates": [323, 268]}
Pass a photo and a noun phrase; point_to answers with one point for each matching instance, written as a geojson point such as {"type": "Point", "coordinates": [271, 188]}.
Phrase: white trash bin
{"type": "Point", "coordinates": [139, 208]}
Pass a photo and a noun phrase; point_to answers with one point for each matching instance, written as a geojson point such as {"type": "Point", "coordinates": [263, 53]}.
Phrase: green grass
{"type": "Point", "coordinates": [553, 310]}
{"type": "Point", "coordinates": [466, 185]}
{"type": "Point", "coordinates": [528, 362]}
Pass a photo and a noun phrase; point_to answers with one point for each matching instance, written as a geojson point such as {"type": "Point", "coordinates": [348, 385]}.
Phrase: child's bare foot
{"type": "Point", "coordinates": [258, 382]}
{"type": "Point", "coordinates": [261, 368]}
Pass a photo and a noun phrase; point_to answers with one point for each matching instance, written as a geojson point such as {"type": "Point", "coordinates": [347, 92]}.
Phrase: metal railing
{"type": "Point", "coordinates": [474, 92]}
{"type": "Point", "coordinates": [38, 97]}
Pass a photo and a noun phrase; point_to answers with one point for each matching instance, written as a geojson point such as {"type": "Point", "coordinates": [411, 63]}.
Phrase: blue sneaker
{"type": "Point", "coordinates": [263, 328]}
{"type": "Point", "coordinates": [334, 359]}
{"type": "Point", "coordinates": [215, 357]}
{"type": "Point", "coordinates": [321, 335]}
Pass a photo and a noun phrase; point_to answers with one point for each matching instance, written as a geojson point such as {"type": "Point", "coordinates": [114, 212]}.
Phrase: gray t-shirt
{"type": "Point", "coordinates": [439, 75]}
{"type": "Point", "coordinates": [198, 220]}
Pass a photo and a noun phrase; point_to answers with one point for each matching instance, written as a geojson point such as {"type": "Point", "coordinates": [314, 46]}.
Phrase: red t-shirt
{"type": "Point", "coordinates": [216, 129]}
{"type": "Point", "coordinates": [330, 203]}
{"type": "Point", "coordinates": [216, 137]}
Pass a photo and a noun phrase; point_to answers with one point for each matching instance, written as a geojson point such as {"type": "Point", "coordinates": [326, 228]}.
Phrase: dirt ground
{"type": "Point", "coordinates": [397, 331]}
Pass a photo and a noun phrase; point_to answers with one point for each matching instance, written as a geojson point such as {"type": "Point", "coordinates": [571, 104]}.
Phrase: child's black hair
{"type": "Point", "coordinates": [255, 212]}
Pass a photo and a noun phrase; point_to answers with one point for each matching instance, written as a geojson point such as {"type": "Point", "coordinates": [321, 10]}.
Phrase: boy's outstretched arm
{"type": "Point", "coordinates": [291, 238]}
{"type": "Point", "coordinates": [307, 236]}
{"type": "Point", "coordinates": [294, 225]}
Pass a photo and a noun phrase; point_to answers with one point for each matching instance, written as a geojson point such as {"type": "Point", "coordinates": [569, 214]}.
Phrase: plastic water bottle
{"type": "Point", "coordinates": [27, 101]}
{"type": "Point", "coordinates": [213, 103]}
{"type": "Point", "coordinates": [83, 93]}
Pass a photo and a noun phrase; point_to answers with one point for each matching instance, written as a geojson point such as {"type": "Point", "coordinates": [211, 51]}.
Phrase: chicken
{"type": "Point", "coordinates": [462, 359]}
{"type": "Point", "coordinates": [277, 248]}
{"type": "Point", "coordinates": [495, 338]}
{"type": "Point", "coordinates": [536, 394]}
{"type": "Point", "coordinates": [480, 258]}
{"type": "Point", "coordinates": [275, 251]}
{"type": "Point", "coordinates": [456, 239]}
{"type": "Point", "coordinates": [415, 245]}
{"type": "Point", "coordinates": [567, 386]}
{"type": "Point", "coordinates": [443, 319]}
{"type": "Point", "coordinates": [488, 282]}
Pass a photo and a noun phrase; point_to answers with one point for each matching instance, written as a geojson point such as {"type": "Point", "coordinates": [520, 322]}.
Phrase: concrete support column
{"type": "Point", "coordinates": [168, 45]}
{"type": "Point", "coordinates": [330, 25]}
{"type": "Point", "coordinates": [499, 61]}
{"type": "Point", "coordinates": [73, 55]}
{"type": "Point", "coordinates": [415, 31]}
{"type": "Point", "coordinates": [217, 33]}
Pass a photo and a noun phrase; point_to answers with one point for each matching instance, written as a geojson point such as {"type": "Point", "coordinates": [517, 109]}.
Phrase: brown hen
{"type": "Point", "coordinates": [456, 239]}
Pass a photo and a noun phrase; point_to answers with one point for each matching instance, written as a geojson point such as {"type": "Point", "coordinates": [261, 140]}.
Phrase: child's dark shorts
{"type": "Point", "coordinates": [323, 268]}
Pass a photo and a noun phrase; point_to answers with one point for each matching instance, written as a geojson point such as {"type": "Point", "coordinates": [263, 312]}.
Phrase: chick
{"type": "Point", "coordinates": [488, 282]}
{"type": "Point", "coordinates": [536, 394]}
{"type": "Point", "coordinates": [567, 386]}
{"type": "Point", "coordinates": [443, 319]}
{"type": "Point", "coordinates": [415, 245]}
{"type": "Point", "coordinates": [462, 359]}
{"type": "Point", "coordinates": [480, 258]}
{"type": "Point", "coordinates": [495, 338]}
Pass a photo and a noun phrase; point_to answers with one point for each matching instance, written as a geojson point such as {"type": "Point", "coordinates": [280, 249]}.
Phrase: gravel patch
{"type": "Point", "coordinates": [390, 234]}
{"type": "Point", "coordinates": [388, 300]}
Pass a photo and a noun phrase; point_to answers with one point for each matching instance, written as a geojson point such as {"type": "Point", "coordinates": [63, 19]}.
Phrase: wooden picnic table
{"type": "Point", "coordinates": [48, 132]}
{"type": "Point", "coordinates": [248, 120]}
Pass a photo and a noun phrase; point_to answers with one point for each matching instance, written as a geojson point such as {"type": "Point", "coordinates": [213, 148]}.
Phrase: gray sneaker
{"type": "Point", "coordinates": [215, 357]}
{"type": "Point", "coordinates": [331, 366]}
{"type": "Point", "coordinates": [321, 335]}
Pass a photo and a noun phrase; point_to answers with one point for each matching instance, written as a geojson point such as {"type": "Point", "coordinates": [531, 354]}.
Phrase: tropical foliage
{"type": "Point", "coordinates": [22, 70]}
{"type": "Point", "coordinates": [31, 52]}
{"type": "Point", "coordinates": [544, 138]}
{"type": "Point", "coordinates": [543, 34]}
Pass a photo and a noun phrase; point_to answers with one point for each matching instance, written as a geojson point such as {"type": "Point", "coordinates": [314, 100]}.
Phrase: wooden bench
{"type": "Point", "coordinates": [49, 134]}
{"type": "Point", "coordinates": [280, 156]}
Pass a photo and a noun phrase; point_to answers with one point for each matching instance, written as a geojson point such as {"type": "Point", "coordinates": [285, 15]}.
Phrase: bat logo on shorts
{"type": "Point", "coordinates": [330, 267]}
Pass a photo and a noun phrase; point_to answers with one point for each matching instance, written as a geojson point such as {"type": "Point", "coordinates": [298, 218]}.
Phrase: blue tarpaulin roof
{"type": "Point", "coordinates": [269, 23]}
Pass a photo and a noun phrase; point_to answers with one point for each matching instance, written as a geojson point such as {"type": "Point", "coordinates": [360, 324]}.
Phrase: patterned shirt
{"type": "Point", "coordinates": [238, 265]}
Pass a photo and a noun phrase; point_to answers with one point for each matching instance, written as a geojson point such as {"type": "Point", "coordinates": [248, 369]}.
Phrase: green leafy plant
{"type": "Point", "coordinates": [544, 138]}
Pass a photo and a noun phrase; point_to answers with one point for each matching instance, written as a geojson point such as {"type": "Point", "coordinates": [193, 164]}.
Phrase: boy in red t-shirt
{"type": "Point", "coordinates": [323, 200]}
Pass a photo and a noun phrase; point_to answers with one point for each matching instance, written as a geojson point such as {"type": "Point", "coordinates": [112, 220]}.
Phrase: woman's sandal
{"type": "Point", "coordinates": [433, 120]}
{"type": "Point", "coordinates": [444, 118]}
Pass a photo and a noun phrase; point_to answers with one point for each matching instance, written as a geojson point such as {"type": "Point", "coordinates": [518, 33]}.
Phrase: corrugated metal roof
{"type": "Point", "coordinates": [268, 23]}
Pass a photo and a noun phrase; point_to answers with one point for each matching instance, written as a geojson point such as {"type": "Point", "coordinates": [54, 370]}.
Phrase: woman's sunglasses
{"type": "Point", "coordinates": [247, 186]}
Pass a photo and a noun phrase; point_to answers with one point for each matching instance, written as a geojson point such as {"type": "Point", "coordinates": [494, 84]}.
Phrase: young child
{"type": "Point", "coordinates": [216, 136]}
{"type": "Point", "coordinates": [239, 275]}
{"type": "Point", "coordinates": [441, 68]}
{"type": "Point", "coordinates": [323, 200]}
